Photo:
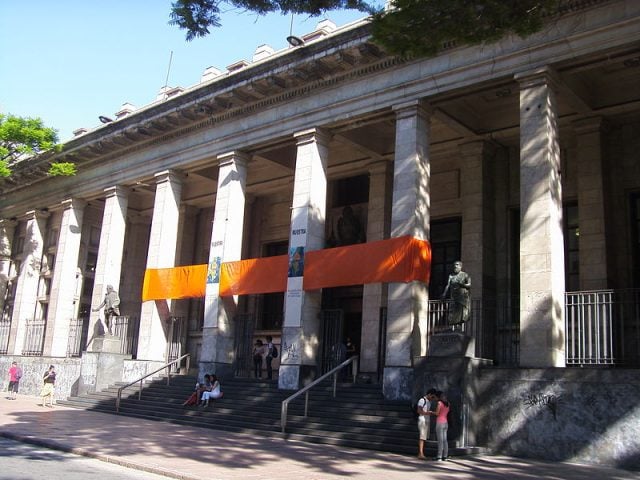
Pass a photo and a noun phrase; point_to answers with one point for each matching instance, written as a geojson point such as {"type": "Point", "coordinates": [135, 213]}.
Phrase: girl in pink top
{"type": "Point", "coordinates": [15, 373]}
{"type": "Point", "coordinates": [442, 426]}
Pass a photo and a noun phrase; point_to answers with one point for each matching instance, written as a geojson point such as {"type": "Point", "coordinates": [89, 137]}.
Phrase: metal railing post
{"type": "Point", "coordinates": [305, 390]}
{"type": "Point", "coordinates": [167, 366]}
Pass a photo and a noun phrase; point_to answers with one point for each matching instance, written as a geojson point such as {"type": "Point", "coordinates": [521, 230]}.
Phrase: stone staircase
{"type": "Point", "coordinates": [358, 417]}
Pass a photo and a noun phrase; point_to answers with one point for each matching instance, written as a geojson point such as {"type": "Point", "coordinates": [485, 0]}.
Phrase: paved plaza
{"type": "Point", "coordinates": [183, 452]}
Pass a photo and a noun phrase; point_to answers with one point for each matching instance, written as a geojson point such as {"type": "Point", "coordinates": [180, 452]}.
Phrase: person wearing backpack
{"type": "Point", "coordinates": [272, 352]}
{"type": "Point", "coordinates": [424, 419]}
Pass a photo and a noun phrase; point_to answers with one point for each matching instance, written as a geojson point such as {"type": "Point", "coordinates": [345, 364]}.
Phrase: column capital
{"type": "Point", "coordinates": [588, 125]}
{"type": "Point", "coordinates": [235, 156]}
{"type": "Point", "coordinates": [35, 215]}
{"type": "Point", "coordinates": [379, 167]}
{"type": "Point", "coordinates": [169, 176]}
{"type": "Point", "coordinates": [319, 135]}
{"type": "Point", "coordinates": [7, 223]}
{"type": "Point", "coordinates": [116, 191]}
{"type": "Point", "coordinates": [414, 107]}
{"type": "Point", "coordinates": [537, 77]}
{"type": "Point", "coordinates": [475, 148]}
{"type": "Point", "coordinates": [75, 203]}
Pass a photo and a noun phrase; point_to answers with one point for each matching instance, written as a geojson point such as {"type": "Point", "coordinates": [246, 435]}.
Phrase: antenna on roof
{"type": "Point", "coordinates": [166, 81]}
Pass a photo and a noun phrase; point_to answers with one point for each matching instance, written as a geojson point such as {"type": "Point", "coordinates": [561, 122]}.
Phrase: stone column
{"type": "Point", "coordinates": [110, 250]}
{"type": "Point", "coordinates": [592, 205]}
{"type": "Point", "coordinates": [478, 235]}
{"type": "Point", "coordinates": [407, 308]}
{"type": "Point", "coordinates": [374, 295]}
{"type": "Point", "coordinates": [301, 329]}
{"type": "Point", "coordinates": [7, 230]}
{"type": "Point", "coordinates": [218, 340]}
{"type": "Point", "coordinates": [541, 237]}
{"type": "Point", "coordinates": [63, 284]}
{"type": "Point", "coordinates": [163, 242]}
{"type": "Point", "coordinates": [26, 299]}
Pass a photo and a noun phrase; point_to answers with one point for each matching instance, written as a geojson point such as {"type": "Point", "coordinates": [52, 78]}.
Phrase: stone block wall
{"type": "Point", "coordinates": [583, 415]}
{"type": "Point", "coordinates": [34, 368]}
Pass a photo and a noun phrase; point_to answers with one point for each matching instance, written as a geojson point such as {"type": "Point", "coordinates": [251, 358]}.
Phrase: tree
{"type": "Point", "coordinates": [406, 27]}
{"type": "Point", "coordinates": [197, 16]}
{"type": "Point", "coordinates": [21, 138]}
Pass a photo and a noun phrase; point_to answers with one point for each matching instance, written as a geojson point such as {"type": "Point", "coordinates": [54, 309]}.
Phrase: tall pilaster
{"type": "Point", "coordinates": [411, 203]}
{"type": "Point", "coordinates": [26, 298]}
{"type": "Point", "coordinates": [592, 204]}
{"type": "Point", "coordinates": [110, 250]}
{"type": "Point", "coordinates": [478, 233]}
{"type": "Point", "coordinates": [541, 236]}
{"type": "Point", "coordinates": [374, 295]}
{"type": "Point", "coordinates": [163, 242]}
{"type": "Point", "coordinates": [226, 246]}
{"type": "Point", "coordinates": [301, 330]}
{"type": "Point", "coordinates": [7, 230]}
{"type": "Point", "coordinates": [63, 284]}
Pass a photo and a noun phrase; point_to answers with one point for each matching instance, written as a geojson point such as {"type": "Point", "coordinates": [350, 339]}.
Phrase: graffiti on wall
{"type": "Point", "coordinates": [541, 401]}
{"type": "Point", "coordinates": [289, 351]}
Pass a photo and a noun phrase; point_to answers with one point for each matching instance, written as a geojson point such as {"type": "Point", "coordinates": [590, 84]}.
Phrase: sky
{"type": "Point", "coordinates": [70, 61]}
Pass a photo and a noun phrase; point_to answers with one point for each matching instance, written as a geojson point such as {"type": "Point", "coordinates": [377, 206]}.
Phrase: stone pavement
{"type": "Point", "coordinates": [196, 453]}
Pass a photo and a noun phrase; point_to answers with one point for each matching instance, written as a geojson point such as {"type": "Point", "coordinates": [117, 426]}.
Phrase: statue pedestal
{"type": "Point", "coordinates": [106, 344]}
{"type": "Point", "coordinates": [451, 344]}
{"type": "Point", "coordinates": [102, 365]}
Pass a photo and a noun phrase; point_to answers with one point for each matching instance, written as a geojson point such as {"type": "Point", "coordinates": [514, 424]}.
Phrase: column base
{"type": "Point", "coordinates": [106, 344]}
{"type": "Point", "coordinates": [451, 344]}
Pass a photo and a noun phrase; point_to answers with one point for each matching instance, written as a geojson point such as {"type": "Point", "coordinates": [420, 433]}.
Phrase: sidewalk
{"type": "Point", "coordinates": [196, 453]}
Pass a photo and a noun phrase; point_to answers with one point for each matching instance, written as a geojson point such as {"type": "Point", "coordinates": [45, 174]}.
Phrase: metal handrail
{"type": "Point", "coordinates": [119, 397]}
{"type": "Point", "coordinates": [305, 390]}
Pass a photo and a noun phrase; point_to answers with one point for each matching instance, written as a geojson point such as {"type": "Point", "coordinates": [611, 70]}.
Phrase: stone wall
{"type": "Point", "coordinates": [575, 415]}
{"type": "Point", "coordinates": [34, 368]}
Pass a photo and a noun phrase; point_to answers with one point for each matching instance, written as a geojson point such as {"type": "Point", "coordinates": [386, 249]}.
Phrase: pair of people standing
{"type": "Point", "coordinates": [259, 351]}
{"type": "Point", "coordinates": [442, 425]}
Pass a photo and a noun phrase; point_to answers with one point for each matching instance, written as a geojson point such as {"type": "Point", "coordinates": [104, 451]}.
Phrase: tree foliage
{"type": "Point", "coordinates": [423, 27]}
{"type": "Point", "coordinates": [198, 16]}
{"type": "Point", "coordinates": [21, 138]}
{"type": "Point", "coordinates": [407, 27]}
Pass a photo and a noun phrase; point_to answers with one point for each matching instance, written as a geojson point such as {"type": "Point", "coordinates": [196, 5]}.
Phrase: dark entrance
{"type": "Point", "coordinates": [341, 319]}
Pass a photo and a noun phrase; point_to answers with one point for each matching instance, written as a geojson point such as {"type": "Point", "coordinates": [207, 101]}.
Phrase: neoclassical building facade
{"type": "Point", "coordinates": [518, 157]}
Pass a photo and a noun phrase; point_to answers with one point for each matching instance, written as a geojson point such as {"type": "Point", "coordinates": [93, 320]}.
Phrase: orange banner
{"type": "Point", "coordinates": [402, 259]}
{"type": "Point", "coordinates": [256, 275]}
{"type": "Point", "coordinates": [176, 282]}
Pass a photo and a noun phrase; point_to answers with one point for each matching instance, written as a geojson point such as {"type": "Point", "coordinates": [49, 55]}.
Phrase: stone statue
{"type": "Point", "coordinates": [110, 303]}
{"type": "Point", "coordinates": [349, 229]}
{"type": "Point", "coordinates": [458, 288]}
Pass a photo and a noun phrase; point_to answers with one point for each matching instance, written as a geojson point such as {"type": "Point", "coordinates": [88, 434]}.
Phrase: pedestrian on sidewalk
{"type": "Point", "coordinates": [423, 411]}
{"type": "Point", "coordinates": [48, 388]}
{"type": "Point", "coordinates": [15, 373]}
{"type": "Point", "coordinates": [442, 425]}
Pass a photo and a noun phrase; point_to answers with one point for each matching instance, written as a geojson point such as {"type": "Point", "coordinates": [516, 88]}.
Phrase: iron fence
{"type": "Point", "coordinates": [77, 336]}
{"type": "Point", "coordinates": [5, 331]}
{"type": "Point", "coordinates": [34, 337]}
{"type": "Point", "coordinates": [603, 327]}
{"type": "Point", "coordinates": [126, 327]}
{"type": "Point", "coordinates": [493, 323]}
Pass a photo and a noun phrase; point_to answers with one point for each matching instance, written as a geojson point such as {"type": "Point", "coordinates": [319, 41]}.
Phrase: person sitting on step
{"type": "Point", "coordinates": [214, 393]}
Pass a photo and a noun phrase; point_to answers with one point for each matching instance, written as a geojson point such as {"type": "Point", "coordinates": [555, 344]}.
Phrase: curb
{"type": "Point", "coordinates": [96, 456]}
